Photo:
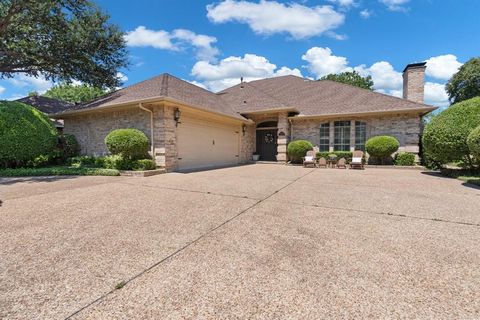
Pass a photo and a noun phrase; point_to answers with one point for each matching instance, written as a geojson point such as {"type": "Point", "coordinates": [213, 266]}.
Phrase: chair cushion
{"type": "Point", "coordinates": [356, 160]}
{"type": "Point", "coordinates": [309, 158]}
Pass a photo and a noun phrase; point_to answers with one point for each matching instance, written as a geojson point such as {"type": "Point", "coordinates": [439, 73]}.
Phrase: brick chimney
{"type": "Point", "coordinates": [414, 81]}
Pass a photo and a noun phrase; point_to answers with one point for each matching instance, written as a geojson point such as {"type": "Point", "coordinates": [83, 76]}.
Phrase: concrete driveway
{"type": "Point", "coordinates": [252, 242]}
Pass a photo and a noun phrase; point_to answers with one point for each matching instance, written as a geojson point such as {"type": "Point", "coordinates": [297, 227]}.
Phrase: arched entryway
{"type": "Point", "coordinates": [267, 140]}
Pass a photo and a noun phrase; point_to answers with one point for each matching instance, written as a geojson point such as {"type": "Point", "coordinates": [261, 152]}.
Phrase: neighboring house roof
{"type": "Point", "coordinates": [45, 104]}
{"type": "Point", "coordinates": [163, 86]}
{"type": "Point", "coordinates": [324, 97]}
{"type": "Point", "coordinates": [307, 97]}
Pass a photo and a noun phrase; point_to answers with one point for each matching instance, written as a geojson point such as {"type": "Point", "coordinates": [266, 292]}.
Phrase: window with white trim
{"type": "Point", "coordinates": [341, 140]}
{"type": "Point", "coordinates": [360, 135]}
{"type": "Point", "coordinates": [324, 144]}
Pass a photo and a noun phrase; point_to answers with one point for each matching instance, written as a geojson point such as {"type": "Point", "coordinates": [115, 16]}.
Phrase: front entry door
{"type": "Point", "coordinates": [267, 145]}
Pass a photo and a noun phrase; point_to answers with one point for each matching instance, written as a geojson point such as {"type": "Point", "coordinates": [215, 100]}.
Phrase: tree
{"type": "Point", "coordinates": [74, 93]}
{"type": "Point", "coordinates": [60, 40]}
{"type": "Point", "coordinates": [353, 78]}
{"type": "Point", "coordinates": [465, 84]}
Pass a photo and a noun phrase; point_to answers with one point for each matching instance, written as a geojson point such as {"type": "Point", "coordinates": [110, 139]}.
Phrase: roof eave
{"type": "Point", "coordinates": [422, 111]}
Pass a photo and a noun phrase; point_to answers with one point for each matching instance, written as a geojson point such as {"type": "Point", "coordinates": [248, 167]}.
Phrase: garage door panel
{"type": "Point", "coordinates": [203, 144]}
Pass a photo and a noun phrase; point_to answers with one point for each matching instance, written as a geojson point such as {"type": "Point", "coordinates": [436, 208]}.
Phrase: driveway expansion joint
{"type": "Point", "coordinates": [178, 251]}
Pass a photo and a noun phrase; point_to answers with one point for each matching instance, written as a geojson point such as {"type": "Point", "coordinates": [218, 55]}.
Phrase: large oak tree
{"type": "Point", "coordinates": [61, 40]}
{"type": "Point", "coordinates": [352, 78]}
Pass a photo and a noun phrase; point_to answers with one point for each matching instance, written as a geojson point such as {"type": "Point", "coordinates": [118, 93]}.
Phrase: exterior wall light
{"type": "Point", "coordinates": [176, 116]}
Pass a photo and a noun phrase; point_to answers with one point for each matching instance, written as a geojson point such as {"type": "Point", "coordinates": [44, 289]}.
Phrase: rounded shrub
{"type": "Point", "coordinates": [381, 146]}
{"type": "Point", "coordinates": [405, 159]}
{"type": "Point", "coordinates": [25, 134]}
{"type": "Point", "coordinates": [298, 149]}
{"type": "Point", "coordinates": [473, 142]}
{"type": "Point", "coordinates": [129, 143]}
{"type": "Point", "coordinates": [144, 164]}
{"type": "Point", "coordinates": [445, 136]}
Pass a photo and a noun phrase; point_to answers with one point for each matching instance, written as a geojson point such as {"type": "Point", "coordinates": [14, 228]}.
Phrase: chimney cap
{"type": "Point", "coordinates": [415, 65]}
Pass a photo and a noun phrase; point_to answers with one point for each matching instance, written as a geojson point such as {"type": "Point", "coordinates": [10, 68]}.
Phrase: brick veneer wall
{"type": "Point", "coordinates": [406, 128]}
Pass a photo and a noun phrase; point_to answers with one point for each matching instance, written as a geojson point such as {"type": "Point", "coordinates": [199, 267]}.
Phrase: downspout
{"type": "Point", "coordinates": [152, 144]}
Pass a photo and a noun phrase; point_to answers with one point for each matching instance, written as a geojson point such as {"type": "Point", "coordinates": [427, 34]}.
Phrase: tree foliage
{"type": "Point", "coordinates": [74, 93]}
{"type": "Point", "coordinates": [129, 143]}
{"type": "Point", "coordinates": [61, 40]}
{"type": "Point", "coordinates": [473, 142]}
{"type": "Point", "coordinates": [465, 84]}
{"type": "Point", "coordinates": [445, 136]}
{"type": "Point", "coordinates": [25, 133]}
{"type": "Point", "coordinates": [352, 78]}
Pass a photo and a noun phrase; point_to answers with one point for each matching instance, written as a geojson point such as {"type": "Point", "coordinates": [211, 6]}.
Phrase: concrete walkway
{"type": "Point", "coordinates": [253, 242]}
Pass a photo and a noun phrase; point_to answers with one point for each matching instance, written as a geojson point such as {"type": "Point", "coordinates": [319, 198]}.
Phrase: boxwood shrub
{"type": "Point", "coordinates": [381, 148]}
{"type": "Point", "coordinates": [473, 142]}
{"type": "Point", "coordinates": [25, 133]}
{"type": "Point", "coordinates": [445, 136]}
{"type": "Point", "coordinates": [129, 143]}
{"type": "Point", "coordinates": [405, 159]}
{"type": "Point", "coordinates": [144, 164]}
{"type": "Point", "coordinates": [298, 149]}
{"type": "Point", "coordinates": [118, 162]}
{"type": "Point", "coordinates": [340, 154]}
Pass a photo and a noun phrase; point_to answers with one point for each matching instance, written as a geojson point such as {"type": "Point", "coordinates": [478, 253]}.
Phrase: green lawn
{"type": "Point", "coordinates": [471, 179]}
{"type": "Point", "coordinates": [58, 171]}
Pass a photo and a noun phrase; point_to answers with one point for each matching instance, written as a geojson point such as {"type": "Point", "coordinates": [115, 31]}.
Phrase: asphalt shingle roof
{"type": "Point", "coordinates": [308, 97]}
{"type": "Point", "coordinates": [45, 104]}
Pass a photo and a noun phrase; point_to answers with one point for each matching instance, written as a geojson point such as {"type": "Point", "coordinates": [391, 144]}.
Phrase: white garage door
{"type": "Point", "coordinates": [203, 144]}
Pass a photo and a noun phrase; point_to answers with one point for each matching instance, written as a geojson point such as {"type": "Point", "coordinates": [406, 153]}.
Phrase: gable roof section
{"type": "Point", "coordinates": [163, 86]}
{"type": "Point", "coordinates": [45, 104]}
{"type": "Point", "coordinates": [325, 97]}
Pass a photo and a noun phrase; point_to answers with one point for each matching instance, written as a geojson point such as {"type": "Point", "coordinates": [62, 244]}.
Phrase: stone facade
{"type": "Point", "coordinates": [406, 128]}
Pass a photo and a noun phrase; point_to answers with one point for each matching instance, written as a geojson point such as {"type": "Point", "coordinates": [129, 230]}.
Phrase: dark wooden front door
{"type": "Point", "coordinates": [267, 145]}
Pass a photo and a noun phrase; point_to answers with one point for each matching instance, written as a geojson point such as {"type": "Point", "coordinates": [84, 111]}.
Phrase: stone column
{"type": "Point", "coordinates": [282, 137]}
{"type": "Point", "coordinates": [352, 135]}
{"type": "Point", "coordinates": [165, 138]}
{"type": "Point", "coordinates": [332, 136]}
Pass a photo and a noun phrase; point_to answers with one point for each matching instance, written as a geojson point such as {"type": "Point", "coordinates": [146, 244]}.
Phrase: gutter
{"type": "Point", "coordinates": [152, 144]}
{"type": "Point", "coordinates": [354, 114]}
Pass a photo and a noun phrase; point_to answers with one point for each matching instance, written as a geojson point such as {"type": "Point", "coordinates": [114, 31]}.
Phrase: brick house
{"type": "Point", "coordinates": [191, 128]}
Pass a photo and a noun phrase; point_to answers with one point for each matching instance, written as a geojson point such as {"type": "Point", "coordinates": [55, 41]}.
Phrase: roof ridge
{"type": "Point", "coordinates": [372, 91]}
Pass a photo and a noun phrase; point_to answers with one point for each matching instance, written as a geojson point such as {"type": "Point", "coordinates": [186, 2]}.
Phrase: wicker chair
{"type": "Point", "coordinates": [342, 163]}
{"type": "Point", "coordinates": [309, 159]}
{"type": "Point", "coordinates": [322, 162]}
{"type": "Point", "coordinates": [357, 160]}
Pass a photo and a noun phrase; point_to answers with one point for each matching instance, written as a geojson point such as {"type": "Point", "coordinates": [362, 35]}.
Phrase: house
{"type": "Point", "coordinates": [190, 127]}
{"type": "Point", "coordinates": [47, 106]}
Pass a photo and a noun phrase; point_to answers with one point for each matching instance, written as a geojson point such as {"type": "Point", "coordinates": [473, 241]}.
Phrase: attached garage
{"type": "Point", "coordinates": [204, 144]}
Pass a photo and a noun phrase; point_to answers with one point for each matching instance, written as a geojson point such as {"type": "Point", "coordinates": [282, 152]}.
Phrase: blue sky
{"type": "Point", "coordinates": [214, 43]}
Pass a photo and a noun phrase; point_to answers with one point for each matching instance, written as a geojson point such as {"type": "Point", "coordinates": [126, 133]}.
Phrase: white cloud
{"type": "Point", "coordinates": [395, 5]}
{"type": "Point", "coordinates": [343, 3]}
{"type": "Point", "coordinates": [269, 17]}
{"type": "Point", "coordinates": [365, 14]}
{"type": "Point", "coordinates": [122, 77]}
{"type": "Point", "coordinates": [435, 94]}
{"type": "Point", "coordinates": [442, 67]}
{"type": "Point", "coordinates": [321, 62]}
{"type": "Point", "coordinates": [383, 75]}
{"type": "Point", "coordinates": [227, 72]}
{"type": "Point", "coordinates": [175, 41]}
{"type": "Point", "coordinates": [39, 84]}
{"type": "Point", "coordinates": [2, 89]}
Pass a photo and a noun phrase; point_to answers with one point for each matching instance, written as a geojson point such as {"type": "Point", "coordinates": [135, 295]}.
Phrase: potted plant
{"type": "Point", "coordinates": [255, 157]}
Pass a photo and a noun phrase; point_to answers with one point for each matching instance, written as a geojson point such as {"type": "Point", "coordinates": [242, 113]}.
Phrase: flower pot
{"type": "Point", "coordinates": [255, 157]}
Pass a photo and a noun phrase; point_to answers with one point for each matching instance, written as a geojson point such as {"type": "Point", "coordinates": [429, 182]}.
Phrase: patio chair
{"type": "Point", "coordinates": [322, 162]}
{"type": "Point", "coordinates": [309, 159]}
{"type": "Point", "coordinates": [357, 160]}
{"type": "Point", "coordinates": [342, 163]}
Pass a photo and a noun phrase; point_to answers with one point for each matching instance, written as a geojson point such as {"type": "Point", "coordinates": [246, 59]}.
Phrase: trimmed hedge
{"type": "Point", "coordinates": [25, 134]}
{"type": "Point", "coordinates": [473, 142]}
{"type": "Point", "coordinates": [129, 143]}
{"type": "Point", "coordinates": [57, 171]}
{"type": "Point", "coordinates": [405, 159]}
{"type": "Point", "coordinates": [340, 154]}
{"type": "Point", "coordinates": [144, 164]}
{"type": "Point", "coordinates": [298, 149]}
{"type": "Point", "coordinates": [445, 136]}
{"type": "Point", "coordinates": [380, 148]}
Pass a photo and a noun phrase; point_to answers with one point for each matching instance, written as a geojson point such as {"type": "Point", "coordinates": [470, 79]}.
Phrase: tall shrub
{"type": "Point", "coordinates": [25, 134]}
{"type": "Point", "coordinates": [473, 142]}
{"type": "Point", "coordinates": [445, 136]}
